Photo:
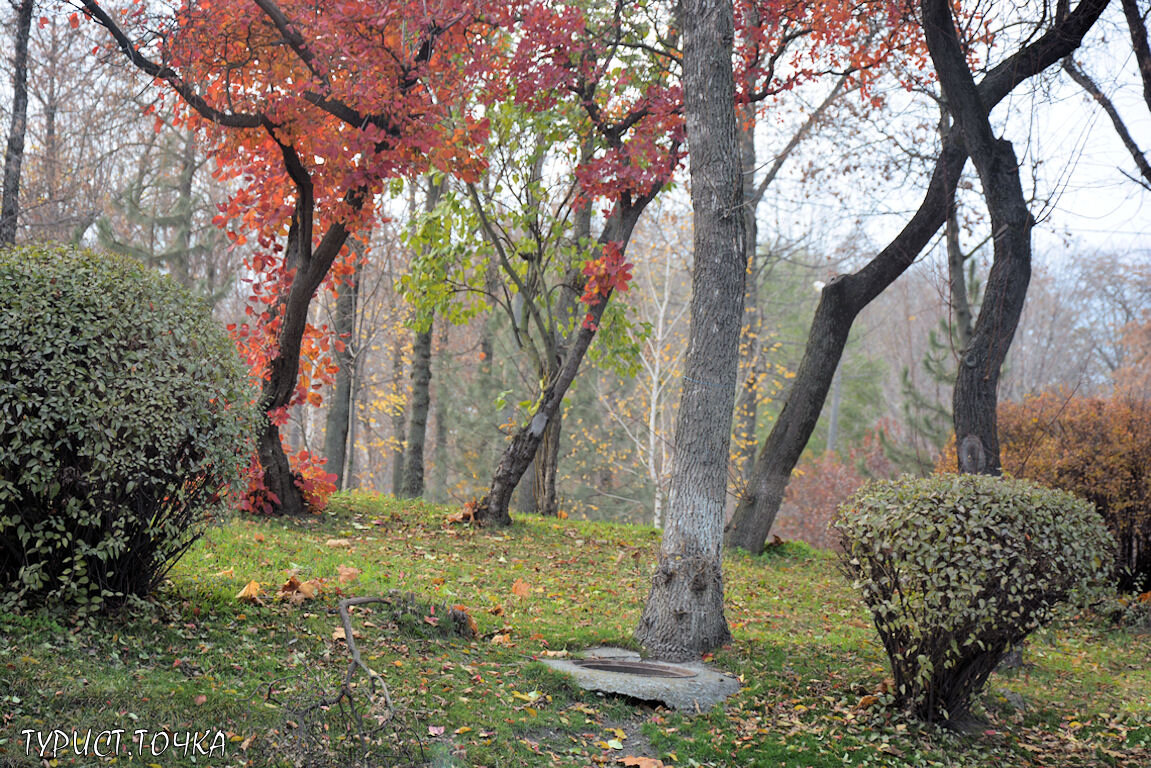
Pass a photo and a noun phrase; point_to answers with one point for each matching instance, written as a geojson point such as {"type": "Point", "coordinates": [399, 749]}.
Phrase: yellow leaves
{"type": "Point", "coordinates": [338, 543]}
{"type": "Point", "coordinates": [250, 593]}
{"type": "Point", "coordinates": [867, 702]}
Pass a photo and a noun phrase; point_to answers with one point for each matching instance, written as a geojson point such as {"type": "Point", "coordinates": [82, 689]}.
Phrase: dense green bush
{"type": "Point", "coordinates": [124, 410]}
{"type": "Point", "coordinates": [958, 569]}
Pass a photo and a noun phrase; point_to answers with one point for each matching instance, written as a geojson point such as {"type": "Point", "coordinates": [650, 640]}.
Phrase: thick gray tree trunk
{"type": "Point", "coordinates": [683, 617]}
{"type": "Point", "coordinates": [845, 296]}
{"type": "Point", "coordinates": [977, 380]}
{"type": "Point", "coordinates": [18, 127]}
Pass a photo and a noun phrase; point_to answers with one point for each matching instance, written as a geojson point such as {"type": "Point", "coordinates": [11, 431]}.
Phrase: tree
{"type": "Point", "coordinates": [18, 125]}
{"type": "Point", "coordinates": [276, 89]}
{"type": "Point", "coordinates": [845, 296]}
{"type": "Point", "coordinates": [977, 380]}
{"type": "Point", "coordinates": [683, 616]}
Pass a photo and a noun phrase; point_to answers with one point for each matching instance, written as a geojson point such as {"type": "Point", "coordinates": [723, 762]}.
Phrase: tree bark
{"type": "Point", "coordinates": [399, 424]}
{"type": "Point", "coordinates": [846, 295]}
{"type": "Point", "coordinates": [683, 617]}
{"type": "Point", "coordinates": [340, 403]}
{"type": "Point", "coordinates": [747, 406]}
{"type": "Point", "coordinates": [421, 385]}
{"type": "Point", "coordinates": [18, 127]}
{"type": "Point", "coordinates": [545, 467]}
{"type": "Point", "coordinates": [418, 423]}
{"type": "Point", "coordinates": [977, 381]}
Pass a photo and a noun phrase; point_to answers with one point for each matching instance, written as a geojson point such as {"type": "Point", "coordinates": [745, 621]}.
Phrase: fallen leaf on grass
{"type": "Point", "coordinates": [227, 572]}
{"type": "Point", "coordinates": [200, 700]}
{"type": "Point", "coordinates": [435, 730]}
{"type": "Point", "coordinates": [250, 593]}
{"type": "Point", "coordinates": [258, 537]}
{"type": "Point", "coordinates": [467, 514]}
{"type": "Point", "coordinates": [338, 634]}
{"type": "Point", "coordinates": [521, 588]}
{"type": "Point", "coordinates": [640, 762]}
{"type": "Point", "coordinates": [341, 543]}
{"type": "Point", "coordinates": [297, 591]}
{"type": "Point", "coordinates": [347, 573]}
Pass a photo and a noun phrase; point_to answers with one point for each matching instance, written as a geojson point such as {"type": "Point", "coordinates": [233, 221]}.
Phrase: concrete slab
{"type": "Point", "coordinates": [700, 689]}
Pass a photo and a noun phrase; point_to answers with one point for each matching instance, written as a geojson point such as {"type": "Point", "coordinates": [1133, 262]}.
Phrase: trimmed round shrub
{"type": "Point", "coordinates": [124, 417]}
{"type": "Point", "coordinates": [959, 569]}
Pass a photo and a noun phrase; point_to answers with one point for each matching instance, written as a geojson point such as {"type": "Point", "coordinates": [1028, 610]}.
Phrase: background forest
{"type": "Point", "coordinates": [432, 341]}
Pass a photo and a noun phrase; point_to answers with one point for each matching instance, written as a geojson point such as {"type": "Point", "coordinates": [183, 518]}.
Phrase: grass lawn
{"type": "Point", "coordinates": [223, 682]}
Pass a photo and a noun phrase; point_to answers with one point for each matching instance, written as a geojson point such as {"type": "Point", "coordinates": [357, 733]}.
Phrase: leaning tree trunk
{"type": "Point", "coordinates": [492, 509]}
{"type": "Point", "coordinates": [285, 367]}
{"type": "Point", "coordinates": [18, 127]}
{"type": "Point", "coordinates": [977, 381]}
{"type": "Point", "coordinates": [846, 295]}
{"type": "Point", "coordinates": [683, 617]}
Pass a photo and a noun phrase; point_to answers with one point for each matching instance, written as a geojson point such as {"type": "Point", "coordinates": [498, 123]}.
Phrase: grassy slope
{"type": "Point", "coordinates": [200, 660]}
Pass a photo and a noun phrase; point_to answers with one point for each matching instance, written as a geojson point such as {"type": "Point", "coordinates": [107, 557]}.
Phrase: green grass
{"type": "Point", "coordinates": [198, 660]}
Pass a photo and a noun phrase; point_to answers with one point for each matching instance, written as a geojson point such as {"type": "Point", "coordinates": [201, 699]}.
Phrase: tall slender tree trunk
{"type": "Point", "coordinates": [340, 402]}
{"type": "Point", "coordinates": [683, 617]}
{"type": "Point", "coordinates": [845, 296]}
{"type": "Point", "coordinates": [747, 405]}
{"type": "Point", "coordinates": [399, 424]}
{"type": "Point", "coordinates": [421, 386]}
{"type": "Point", "coordinates": [17, 127]}
{"type": "Point", "coordinates": [441, 400]}
{"type": "Point", "coordinates": [977, 381]}
{"type": "Point", "coordinates": [418, 414]}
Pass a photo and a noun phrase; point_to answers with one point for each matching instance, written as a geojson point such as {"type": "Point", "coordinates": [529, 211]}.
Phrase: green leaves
{"type": "Point", "coordinates": [122, 420]}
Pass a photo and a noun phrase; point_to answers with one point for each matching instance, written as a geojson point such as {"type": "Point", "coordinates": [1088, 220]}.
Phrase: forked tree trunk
{"type": "Point", "coordinates": [17, 127]}
{"type": "Point", "coordinates": [977, 381]}
{"type": "Point", "coordinates": [846, 295]}
{"type": "Point", "coordinates": [683, 617]}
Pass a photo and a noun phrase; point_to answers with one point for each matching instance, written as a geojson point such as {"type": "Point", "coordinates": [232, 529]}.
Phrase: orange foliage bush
{"type": "Point", "coordinates": [819, 485]}
{"type": "Point", "coordinates": [1098, 449]}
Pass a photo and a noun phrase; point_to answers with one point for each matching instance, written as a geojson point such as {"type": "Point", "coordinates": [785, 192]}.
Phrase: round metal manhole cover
{"type": "Point", "coordinates": [641, 668]}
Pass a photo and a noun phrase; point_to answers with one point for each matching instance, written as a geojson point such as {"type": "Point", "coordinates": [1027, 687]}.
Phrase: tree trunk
{"type": "Point", "coordinates": [747, 406]}
{"type": "Point", "coordinates": [418, 423]}
{"type": "Point", "coordinates": [846, 295]}
{"type": "Point", "coordinates": [683, 617]}
{"type": "Point", "coordinates": [440, 457]}
{"type": "Point", "coordinates": [546, 465]}
{"type": "Point", "coordinates": [977, 381]}
{"type": "Point", "coordinates": [18, 127]}
{"type": "Point", "coordinates": [340, 402]}
{"type": "Point", "coordinates": [421, 386]}
{"type": "Point", "coordinates": [399, 424]}
{"type": "Point", "coordinates": [492, 509]}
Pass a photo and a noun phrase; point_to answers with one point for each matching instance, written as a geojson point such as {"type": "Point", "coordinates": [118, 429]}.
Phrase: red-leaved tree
{"type": "Point", "coordinates": [312, 108]}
